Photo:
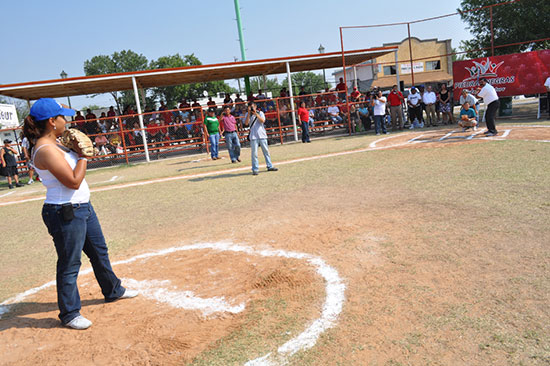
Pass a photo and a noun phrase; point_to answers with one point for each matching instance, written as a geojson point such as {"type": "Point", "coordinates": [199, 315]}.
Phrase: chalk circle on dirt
{"type": "Point", "coordinates": [332, 306]}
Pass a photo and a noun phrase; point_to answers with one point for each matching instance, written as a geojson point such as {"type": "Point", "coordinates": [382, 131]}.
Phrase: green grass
{"type": "Point", "coordinates": [477, 214]}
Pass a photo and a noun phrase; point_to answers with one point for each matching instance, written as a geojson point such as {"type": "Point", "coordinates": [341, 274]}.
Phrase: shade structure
{"type": "Point", "coordinates": [98, 84]}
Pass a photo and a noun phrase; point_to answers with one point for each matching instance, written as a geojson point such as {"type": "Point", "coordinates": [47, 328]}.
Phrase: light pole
{"type": "Point", "coordinates": [321, 51]}
{"type": "Point", "coordinates": [64, 76]}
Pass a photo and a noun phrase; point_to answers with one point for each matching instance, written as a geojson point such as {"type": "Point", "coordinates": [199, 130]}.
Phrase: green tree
{"type": "Point", "coordinates": [312, 82]}
{"type": "Point", "coordinates": [522, 21]}
{"type": "Point", "coordinates": [173, 94]}
{"type": "Point", "coordinates": [123, 61]}
{"type": "Point", "coordinates": [271, 85]}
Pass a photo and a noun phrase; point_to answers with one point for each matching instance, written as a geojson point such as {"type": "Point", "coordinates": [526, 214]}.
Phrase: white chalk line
{"type": "Point", "coordinates": [447, 135]}
{"type": "Point", "coordinates": [332, 307]}
{"type": "Point", "coordinates": [372, 147]}
{"type": "Point", "coordinates": [7, 194]}
{"type": "Point", "coordinates": [159, 291]}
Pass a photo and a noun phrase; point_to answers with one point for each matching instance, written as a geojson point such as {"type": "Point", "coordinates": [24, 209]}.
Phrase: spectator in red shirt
{"type": "Point", "coordinates": [78, 121]}
{"type": "Point", "coordinates": [166, 116]}
{"type": "Point", "coordinates": [196, 106]}
{"type": "Point", "coordinates": [355, 94]}
{"type": "Point", "coordinates": [90, 126]}
{"type": "Point", "coordinates": [303, 113]}
{"type": "Point", "coordinates": [341, 88]}
{"type": "Point", "coordinates": [111, 113]}
{"type": "Point", "coordinates": [396, 99]}
{"type": "Point", "coordinates": [211, 103]}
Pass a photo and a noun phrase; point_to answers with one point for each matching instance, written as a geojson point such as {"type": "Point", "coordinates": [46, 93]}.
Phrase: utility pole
{"type": "Point", "coordinates": [238, 80]}
{"type": "Point", "coordinates": [241, 41]}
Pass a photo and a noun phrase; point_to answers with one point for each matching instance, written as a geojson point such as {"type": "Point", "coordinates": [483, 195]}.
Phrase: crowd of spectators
{"type": "Point", "coordinates": [184, 123]}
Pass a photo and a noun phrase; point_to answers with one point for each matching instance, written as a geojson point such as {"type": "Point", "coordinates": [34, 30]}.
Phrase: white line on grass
{"type": "Point", "coordinates": [413, 140]}
{"type": "Point", "coordinates": [447, 135]}
{"type": "Point", "coordinates": [474, 134]}
{"type": "Point", "coordinates": [506, 133]}
{"type": "Point", "coordinates": [7, 194]}
{"type": "Point", "coordinates": [332, 307]}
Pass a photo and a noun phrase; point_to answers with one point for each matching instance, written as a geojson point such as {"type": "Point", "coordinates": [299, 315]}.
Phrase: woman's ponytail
{"type": "Point", "coordinates": [33, 129]}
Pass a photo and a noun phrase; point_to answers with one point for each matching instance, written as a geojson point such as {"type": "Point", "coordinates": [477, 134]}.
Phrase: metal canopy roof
{"type": "Point", "coordinates": [166, 77]}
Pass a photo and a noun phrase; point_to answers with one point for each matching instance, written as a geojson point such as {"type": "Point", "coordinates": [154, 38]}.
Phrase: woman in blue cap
{"type": "Point", "coordinates": [67, 211]}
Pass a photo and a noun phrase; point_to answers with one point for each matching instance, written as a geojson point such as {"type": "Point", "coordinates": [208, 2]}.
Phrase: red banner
{"type": "Point", "coordinates": [515, 74]}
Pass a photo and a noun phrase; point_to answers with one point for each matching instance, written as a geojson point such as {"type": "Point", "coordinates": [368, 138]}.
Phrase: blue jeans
{"type": "Point", "coordinates": [336, 119]}
{"type": "Point", "coordinates": [379, 122]}
{"type": "Point", "coordinates": [254, 150]}
{"type": "Point", "coordinates": [305, 131]}
{"type": "Point", "coordinates": [82, 233]}
{"type": "Point", "coordinates": [233, 145]}
{"type": "Point", "coordinates": [214, 144]}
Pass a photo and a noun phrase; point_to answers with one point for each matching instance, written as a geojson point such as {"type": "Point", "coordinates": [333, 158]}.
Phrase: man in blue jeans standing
{"type": "Point", "coordinates": [258, 136]}
{"type": "Point", "coordinates": [229, 127]}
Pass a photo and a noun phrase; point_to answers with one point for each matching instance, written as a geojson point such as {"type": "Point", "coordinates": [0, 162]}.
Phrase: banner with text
{"type": "Point", "coordinates": [515, 74]}
{"type": "Point", "coordinates": [8, 116]}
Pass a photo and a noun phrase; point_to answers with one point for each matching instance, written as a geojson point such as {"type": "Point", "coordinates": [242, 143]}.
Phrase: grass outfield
{"type": "Point", "coordinates": [444, 250]}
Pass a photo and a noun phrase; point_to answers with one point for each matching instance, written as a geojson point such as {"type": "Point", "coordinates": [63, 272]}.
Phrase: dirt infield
{"type": "Point", "coordinates": [442, 137]}
{"type": "Point", "coordinates": [444, 259]}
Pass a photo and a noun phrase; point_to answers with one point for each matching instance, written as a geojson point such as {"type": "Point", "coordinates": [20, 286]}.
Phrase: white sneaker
{"type": "Point", "coordinates": [79, 323]}
{"type": "Point", "coordinates": [30, 181]}
{"type": "Point", "coordinates": [128, 294]}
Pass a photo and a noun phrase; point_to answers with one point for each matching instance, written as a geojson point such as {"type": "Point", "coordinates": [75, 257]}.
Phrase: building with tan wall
{"type": "Point", "coordinates": [432, 65]}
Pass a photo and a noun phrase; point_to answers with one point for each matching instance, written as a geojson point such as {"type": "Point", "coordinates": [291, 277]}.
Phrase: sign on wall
{"type": "Point", "coordinates": [515, 74]}
{"type": "Point", "coordinates": [8, 116]}
{"type": "Point", "coordinates": [417, 67]}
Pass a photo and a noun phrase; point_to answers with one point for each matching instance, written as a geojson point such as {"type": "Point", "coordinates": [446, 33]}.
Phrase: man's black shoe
{"type": "Point", "coordinates": [272, 169]}
{"type": "Point", "coordinates": [254, 173]}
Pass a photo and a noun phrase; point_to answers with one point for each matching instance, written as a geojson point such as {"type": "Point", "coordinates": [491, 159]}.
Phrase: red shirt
{"type": "Point", "coordinates": [341, 86]}
{"type": "Point", "coordinates": [395, 98]}
{"type": "Point", "coordinates": [304, 114]}
{"type": "Point", "coordinates": [355, 94]}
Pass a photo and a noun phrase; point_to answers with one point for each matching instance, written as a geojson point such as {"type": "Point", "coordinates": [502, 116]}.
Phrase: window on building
{"type": "Point", "coordinates": [433, 65]}
{"type": "Point", "coordinates": [389, 70]}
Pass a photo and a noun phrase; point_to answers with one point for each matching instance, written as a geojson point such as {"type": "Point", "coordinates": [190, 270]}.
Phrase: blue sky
{"type": "Point", "coordinates": [41, 38]}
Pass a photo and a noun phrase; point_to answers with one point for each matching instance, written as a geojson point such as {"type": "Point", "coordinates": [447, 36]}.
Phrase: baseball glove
{"type": "Point", "coordinates": [72, 138]}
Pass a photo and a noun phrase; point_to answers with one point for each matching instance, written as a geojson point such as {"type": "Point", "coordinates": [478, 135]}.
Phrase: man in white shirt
{"type": "Point", "coordinates": [415, 108]}
{"type": "Point", "coordinates": [255, 119]}
{"type": "Point", "coordinates": [547, 85]}
{"type": "Point", "coordinates": [429, 100]}
{"type": "Point", "coordinates": [379, 105]}
{"type": "Point", "coordinates": [490, 98]}
{"type": "Point", "coordinates": [465, 96]}
{"type": "Point", "coordinates": [334, 114]}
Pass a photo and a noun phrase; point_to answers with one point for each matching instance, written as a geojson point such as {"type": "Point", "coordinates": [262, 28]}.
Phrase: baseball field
{"type": "Point", "coordinates": [425, 247]}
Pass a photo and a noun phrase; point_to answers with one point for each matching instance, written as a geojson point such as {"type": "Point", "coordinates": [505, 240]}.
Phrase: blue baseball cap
{"type": "Point", "coordinates": [45, 108]}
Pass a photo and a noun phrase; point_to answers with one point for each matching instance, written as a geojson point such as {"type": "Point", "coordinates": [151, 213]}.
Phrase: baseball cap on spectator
{"type": "Point", "coordinates": [7, 141]}
{"type": "Point", "coordinates": [45, 108]}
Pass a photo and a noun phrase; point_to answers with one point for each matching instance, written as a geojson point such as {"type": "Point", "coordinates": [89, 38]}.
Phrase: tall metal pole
{"type": "Point", "coordinates": [291, 93]}
{"type": "Point", "coordinates": [140, 117]}
{"type": "Point", "coordinates": [397, 72]}
{"type": "Point", "coordinates": [241, 41]}
{"type": "Point", "coordinates": [411, 54]}
{"type": "Point", "coordinates": [492, 34]}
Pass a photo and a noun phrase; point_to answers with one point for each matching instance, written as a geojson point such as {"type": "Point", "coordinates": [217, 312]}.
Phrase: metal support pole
{"type": "Point", "coordinates": [397, 71]}
{"type": "Point", "coordinates": [355, 76]}
{"type": "Point", "coordinates": [411, 54]}
{"type": "Point", "coordinates": [140, 117]}
{"type": "Point", "coordinates": [492, 34]}
{"type": "Point", "coordinates": [291, 101]}
{"type": "Point", "coordinates": [345, 80]}
{"type": "Point", "coordinates": [241, 41]}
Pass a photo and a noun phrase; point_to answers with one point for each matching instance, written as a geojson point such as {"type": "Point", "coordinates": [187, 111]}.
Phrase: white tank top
{"type": "Point", "coordinates": [57, 193]}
